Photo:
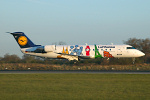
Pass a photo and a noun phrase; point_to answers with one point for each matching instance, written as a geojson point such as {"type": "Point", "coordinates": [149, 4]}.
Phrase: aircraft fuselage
{"type": "Point", "coordinates": [85, 51]}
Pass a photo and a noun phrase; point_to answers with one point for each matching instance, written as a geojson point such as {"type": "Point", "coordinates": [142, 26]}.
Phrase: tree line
{"type": "Point", "coordinates": [140, 44]}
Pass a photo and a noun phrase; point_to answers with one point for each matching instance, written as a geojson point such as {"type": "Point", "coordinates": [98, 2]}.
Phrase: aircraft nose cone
{"type": "Point", "coordinates": [141, 54]}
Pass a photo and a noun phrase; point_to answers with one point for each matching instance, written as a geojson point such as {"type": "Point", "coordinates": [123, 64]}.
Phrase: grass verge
{"type": "Point", "coordinates": [74, 86]}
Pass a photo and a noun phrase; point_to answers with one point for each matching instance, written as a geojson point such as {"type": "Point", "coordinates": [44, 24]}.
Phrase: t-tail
{"type": "Point", "coordinates": [22, 40]}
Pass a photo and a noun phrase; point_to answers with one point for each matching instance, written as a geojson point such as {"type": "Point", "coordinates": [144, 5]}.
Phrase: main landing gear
{"type": "Point", "coordinates": [133, 60]}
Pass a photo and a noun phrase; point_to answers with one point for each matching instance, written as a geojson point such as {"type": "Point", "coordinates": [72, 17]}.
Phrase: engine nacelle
{"type": "Point", "coordinates": [49, 48]}
{"type": "Point", "coordinates": [41, 49]}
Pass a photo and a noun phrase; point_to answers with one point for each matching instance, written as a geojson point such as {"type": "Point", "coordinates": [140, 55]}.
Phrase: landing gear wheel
{"type": "Point", "coordinates": [133, 60]}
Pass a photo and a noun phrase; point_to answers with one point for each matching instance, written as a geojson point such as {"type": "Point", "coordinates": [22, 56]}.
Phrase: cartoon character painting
{"type": "Point", "coordinates": [87, 50]}
{"type": "Point", "coordinates": [107, 54]}
{"type": "Point", "coordinates": [65, 51]}
{"type": "Point", "coordinates": [76, 50]}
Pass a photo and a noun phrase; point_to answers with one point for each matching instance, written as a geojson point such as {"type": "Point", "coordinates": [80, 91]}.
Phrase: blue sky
{"type": "Point", "coordinates": [73, 21]}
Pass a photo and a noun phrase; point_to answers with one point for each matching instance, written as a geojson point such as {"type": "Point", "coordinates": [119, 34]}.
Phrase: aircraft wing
{"type": "Point", "coordinates": [72, 57]}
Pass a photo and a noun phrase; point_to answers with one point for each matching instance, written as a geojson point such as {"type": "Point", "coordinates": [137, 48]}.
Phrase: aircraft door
{"type": "Point", "coordinates": [119, 52]}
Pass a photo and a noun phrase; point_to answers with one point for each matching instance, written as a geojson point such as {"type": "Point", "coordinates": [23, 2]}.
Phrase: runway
{"type": "Point", "coordinates": [72, 72]}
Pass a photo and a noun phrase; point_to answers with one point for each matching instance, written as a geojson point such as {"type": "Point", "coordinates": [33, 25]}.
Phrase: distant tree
{"type": "Point", "coordinates": [59, 43]}
{"type": "Point", "coordinates": [1, 59]}
{"type": "Point", "coordinates": [141, 44]}
{"type": "Point", "coordinates": [31, 59]}
{"type": "Point", "coordinates": [28, 59]}
{"type": "Point", "coordinates": [54, 43]}
{"type": "Point", "coordinates": [11, 58]}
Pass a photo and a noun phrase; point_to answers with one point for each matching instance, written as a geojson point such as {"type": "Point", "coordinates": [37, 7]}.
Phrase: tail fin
{"type": "Point", "coordinates": [23, 40]}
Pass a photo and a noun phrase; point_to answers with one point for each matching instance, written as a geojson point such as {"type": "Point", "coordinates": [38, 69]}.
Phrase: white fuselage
{"type": "Point", "coordinates": [73, 52]}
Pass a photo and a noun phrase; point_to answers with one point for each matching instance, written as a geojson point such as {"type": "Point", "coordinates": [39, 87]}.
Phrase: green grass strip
{"type": "Point", "coordinates": [74, 86]}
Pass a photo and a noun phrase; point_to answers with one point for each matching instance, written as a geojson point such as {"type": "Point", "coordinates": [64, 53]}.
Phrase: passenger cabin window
{"type": "Point", "coordinates": [130, 48]}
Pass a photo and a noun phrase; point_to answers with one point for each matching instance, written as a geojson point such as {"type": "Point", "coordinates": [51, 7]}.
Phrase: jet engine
{"type": "Point", "coordinates": [41, 49]}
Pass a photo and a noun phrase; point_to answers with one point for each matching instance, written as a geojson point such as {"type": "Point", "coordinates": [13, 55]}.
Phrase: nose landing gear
{"type": "Point", "coordinates": [133, 60]}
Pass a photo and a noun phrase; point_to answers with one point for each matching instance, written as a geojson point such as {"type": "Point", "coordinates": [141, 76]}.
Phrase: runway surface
{"type": "Point", "coordinates": [72, 71]}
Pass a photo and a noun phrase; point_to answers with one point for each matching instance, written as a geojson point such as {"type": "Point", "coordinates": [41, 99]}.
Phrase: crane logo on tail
{"type": "Point", "coordinates": [22, 40]}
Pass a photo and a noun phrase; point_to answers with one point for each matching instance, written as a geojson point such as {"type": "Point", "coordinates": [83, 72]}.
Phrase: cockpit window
{"type": "Point", "coordinates": [130, 48]}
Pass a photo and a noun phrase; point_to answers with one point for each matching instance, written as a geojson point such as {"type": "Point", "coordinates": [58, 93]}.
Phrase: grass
{"type": "Point", "coordinates": [74, 86]}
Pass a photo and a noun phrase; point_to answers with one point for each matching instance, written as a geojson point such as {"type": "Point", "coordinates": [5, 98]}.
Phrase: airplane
{"type": "Point", "coordinates": [75, 52]}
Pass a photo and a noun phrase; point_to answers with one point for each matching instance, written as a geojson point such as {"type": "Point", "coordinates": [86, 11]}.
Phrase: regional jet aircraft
{"type": "Point", "coordinates": [75, 52]}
